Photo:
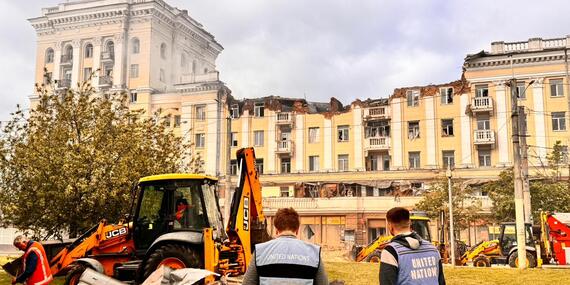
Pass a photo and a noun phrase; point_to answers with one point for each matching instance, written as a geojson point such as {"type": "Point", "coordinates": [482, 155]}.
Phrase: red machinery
{"type": "Point", "coordinates": [555, 237]}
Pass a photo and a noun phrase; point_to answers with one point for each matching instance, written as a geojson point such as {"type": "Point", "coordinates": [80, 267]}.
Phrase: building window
{"type": "Point", "coordinates": [314, 163]}
{"type": "Point", "coordinates": [482, 90]}
{"type": "Point", "coordinates": [162, 76]}
{"type": "Point", "coordinates": [200, 140]}
{"type": "Point", "coordinates": [448, 158]}
{"type": "Point", "coordinates": [413, 130]}
{"type": "Point", "coordinates": [564, 154]}
{"type": "Point", "coordinates": [205, 70]}
{"type": "Point", "coordinates": [414, 159]}
{"type": "Point", "coordinates": [136, 46]}
{"type": "Point", "coordinates": [374, 233]}
{"type": "Point", "coordinates": [201, 112]}
{"type": "Point", "coordinates": [447, 127]}
{"type": "Point", "coordinates": [163, 50]}
{"type": "Point", "coordinates": [259, 109]}
{"type": "Point", "coordinates": [484, 157]}
{"type": "Point", "coordinates": [234, 138]}
{"type": "Point", "coordinates": [483, 124]}
{"type": "Point", "coordinates": [89, 51]}
{"type": "Point", "coordinates": [284, 191]}
{"type": "Point", "coordinates": [413, 98]}
{"type": "Point", "coordinates": [87, 73]}
{"type": "Point", "coordinates": [342, 133]}
{"type": "Point", "coordinates": [233, 167]}
{"type": "Point", "coordinates": [286, 165]}
{"type": "Point", "coordinates": [134, 97]}
{"type": "Point", "coordinates": [377, 129]}
{"type": "Point", "coordinates": [558, 121]}
{"type": "Point", "coordinates": [49, 55]}
{"type": "Point", "coordinates": [556, 88]}
{"type": "Point", "coordinates": [134, 71]}
{"type": "Point", "coordinates": [167, 121]}
{"type": "Point", "coordinates": [234, 111]}
{"type": "Point", "coordinates": [314, 135]}
{"type": "Point", "coordinates": [521, 90]}
{"type": "Point", "coordinates": [47, 78]}
{"type": "Point", "coordinates": [258, 138]}
{"type": "Point", "coordinates": [343, 162]}
{"type": "Point", "coordinates": [259, 165]}
{"type": "Point", "coordinates": [446, 95]}
{"type": "Point", "coordinates": [177, 121]}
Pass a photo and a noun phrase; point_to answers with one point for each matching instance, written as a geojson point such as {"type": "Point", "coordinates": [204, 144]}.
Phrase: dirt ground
{"type": "Point", "coordinates": [339, 267]}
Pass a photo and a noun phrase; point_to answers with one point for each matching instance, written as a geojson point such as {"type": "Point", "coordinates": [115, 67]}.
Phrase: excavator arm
{"type": "Point", "coordinates": [247, 225]}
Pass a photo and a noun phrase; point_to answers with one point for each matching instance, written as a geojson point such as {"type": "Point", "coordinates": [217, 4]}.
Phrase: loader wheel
{"type": "Point", "coordinates": [175, 256]}
{"type": "Point", "coordinates": [73, 276]}
{"type": "Point", "coordinates": [481, 261]}
{"type": "Point", "coordinates": [374, 257]}
{"type": "Point", "coordinates": [514, 260]}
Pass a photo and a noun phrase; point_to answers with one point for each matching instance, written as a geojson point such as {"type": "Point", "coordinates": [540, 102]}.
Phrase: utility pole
{"type": "Point", "coordinates": [524, 166]}
{"type": "Point", "coordinates": [519, 203]}
{"type": "Point", "coordinates": [228, 190]}
{"type": "Point", "coordinates": [451, 229]}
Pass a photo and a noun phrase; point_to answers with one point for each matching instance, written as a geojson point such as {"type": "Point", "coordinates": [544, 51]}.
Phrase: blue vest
{"type": "Point", "coordinates": [287, 260]}
{"type": "Point", "coordinates": [417, 266]}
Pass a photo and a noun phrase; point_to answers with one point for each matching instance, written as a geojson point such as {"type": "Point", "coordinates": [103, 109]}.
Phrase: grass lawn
{"type": "Point", "coordinates": [365, 273]}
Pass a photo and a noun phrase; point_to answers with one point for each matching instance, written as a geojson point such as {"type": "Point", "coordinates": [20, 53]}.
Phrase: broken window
{"type": "Point", "coordinates": [413, 130]}
{"type": "Point", "coordinates": [448, 158]}
{"type": "Point", "coordinates": [342, 133]}
{"type": "Point", "coordinates": [259, 109]}
{"type": "Point", "coordinates": [234, 111]}
{"type": "Point", "coordinates": [447, 127]}
{"type": "Point", "coordinates": [414, 159]}
{"type": "Point", "coordinates": [446, 95]}
{"type": "Point", "coordinates": [413, 98]}
{"type": "Point", "coordinates": [482, 90]}
{"type": "Point", "coordinates": [313, 135]}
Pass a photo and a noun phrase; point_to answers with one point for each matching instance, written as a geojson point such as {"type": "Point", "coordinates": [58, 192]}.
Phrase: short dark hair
{"type": "Point", "coordinates": [286, 219]}
{"type": "Point", "coordinates": [399, 217]}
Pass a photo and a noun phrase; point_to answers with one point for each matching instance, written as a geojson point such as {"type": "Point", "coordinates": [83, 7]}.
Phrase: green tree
{"type": "Point", "coordinates": [73, 159]}
{"type": "Point", "coordinates": [545, 193]}
{"type": "Point", "coordinates": [556, 158]}
{"type": "Point", "coordinates": [465, 205]}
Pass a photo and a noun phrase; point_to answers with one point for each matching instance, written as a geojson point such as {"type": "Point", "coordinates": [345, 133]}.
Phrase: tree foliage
{"type": "Point", "coordinates": [465, 205]}
{"type": "Point", "coordinates": [73, 159]}
{"type": "Point", "coordinates": [546, 194]}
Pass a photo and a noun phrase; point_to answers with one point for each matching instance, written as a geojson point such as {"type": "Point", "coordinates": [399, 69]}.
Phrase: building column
{"type": "Point", "coordinates": [245, 129]}
{"type": "Point", "coordinates": [76, 63]}
{"type": "Point", "coordinates": [539, 120]}
{"type": "Point", "coordinates": [271, 143]}
{"type": "Point", "coordinates": [466, 132]}
{"type": "Point", "coordinates": [396, 138]}
{"type": "Point", "coordinates": [502, 131]}
{"type": "Point", "coordinates": [119, 64]}
{"type": "Point", "coordinates": [96, 62]}
{"type": "Point", "coordinates": [299, 142]}
{"type": "Point", "coordinates": [328, 141]}
{"type": "Point", "coordinates": [56, 75]}
{"type": "Point", "coordinates": [430, 132]}
{"type": "Point", "coordinates": [358, 152]}
{"type": "Point", "coordinates": [211, 138]}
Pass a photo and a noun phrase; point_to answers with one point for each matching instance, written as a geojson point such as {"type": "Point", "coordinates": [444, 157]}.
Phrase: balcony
{"type": "Point", "coordinates": [377, 143]}
{"type": "Point", "coordinates": [284, 118]}
{"type": "Point", "coordinates": [377, 113]}
{"type": "Point", "coordinates": [482, 104]}
{"type": "Point", "coordinates": [66, 59]}
{"type": "Point", "coordinates": [107, 56]}
{"type": "Point", "coordinates": [484, 137]}
{"type": "Point", "coordinates": [284, 146]}
{"type": "Point", "coordinates": [105, 81]}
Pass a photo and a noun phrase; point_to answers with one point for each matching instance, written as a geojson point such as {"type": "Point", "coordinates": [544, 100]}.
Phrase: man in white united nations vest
{"type": "Point", "coordinates": [408, 259]}
{"type": "Point", "coordinates": [286, 260]}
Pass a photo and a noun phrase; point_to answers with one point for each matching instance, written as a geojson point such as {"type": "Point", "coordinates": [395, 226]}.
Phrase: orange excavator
{"type": "Point", "coordinates": [177, 223]}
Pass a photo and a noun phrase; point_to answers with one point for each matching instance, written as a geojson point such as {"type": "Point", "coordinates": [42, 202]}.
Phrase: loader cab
{"type": "Point", "coordinates": [420, 225]}
{"type": "Point", "coordinates": [174, 203]}
{"type": "Point", "coordinates": [508, 237]}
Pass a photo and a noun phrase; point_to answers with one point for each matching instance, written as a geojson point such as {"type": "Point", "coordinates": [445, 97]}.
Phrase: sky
{"type": "Point", "coordinates": [318, 49]}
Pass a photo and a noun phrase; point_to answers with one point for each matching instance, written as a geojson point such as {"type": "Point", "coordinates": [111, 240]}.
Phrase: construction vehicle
{"type": "Point", "coordinates": [548, 246]}
{"type": "Point", "coordinates": [372, 251]}
{"type": "Point", "coordinates": [176, 223]}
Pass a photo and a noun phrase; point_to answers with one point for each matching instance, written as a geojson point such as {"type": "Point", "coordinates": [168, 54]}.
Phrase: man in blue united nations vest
{"type": "Point", "coordinates": [408, 259]}
{"type": "Point", "coordinates": [286, 260]}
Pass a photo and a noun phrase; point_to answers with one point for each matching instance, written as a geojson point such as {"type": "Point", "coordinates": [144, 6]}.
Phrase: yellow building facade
{"type": "Point", "coordinates": [342, 166]}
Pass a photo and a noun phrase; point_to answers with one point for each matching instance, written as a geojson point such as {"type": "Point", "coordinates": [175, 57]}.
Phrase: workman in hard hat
{"type": "Point", "coordinates": [35, 265]}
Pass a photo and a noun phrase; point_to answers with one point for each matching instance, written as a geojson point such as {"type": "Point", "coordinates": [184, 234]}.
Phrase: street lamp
{"type": "Point", "coordinates": [451, 230]}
